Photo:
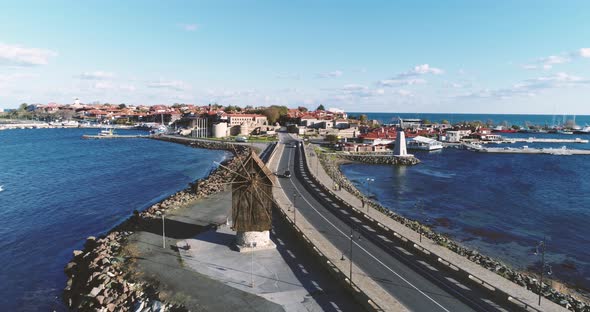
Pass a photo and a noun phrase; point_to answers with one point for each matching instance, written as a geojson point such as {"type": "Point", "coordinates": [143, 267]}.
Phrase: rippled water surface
{"type": "Point", "coordinates": [59, 189]}
{"type": "Point", "coordinates": [500, 204]}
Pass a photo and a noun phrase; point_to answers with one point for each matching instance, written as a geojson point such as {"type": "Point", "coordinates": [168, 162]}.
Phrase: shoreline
{"type": "Point", "coordinates": [563, 296]}
{"type": "Point", "coordinates": [97, 277]}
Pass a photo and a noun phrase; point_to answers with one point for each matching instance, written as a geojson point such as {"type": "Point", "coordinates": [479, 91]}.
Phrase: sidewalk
{"type": "Point", "coordinates": [516, 291]}
{"type": "Point", "coordinates": [373, 290]}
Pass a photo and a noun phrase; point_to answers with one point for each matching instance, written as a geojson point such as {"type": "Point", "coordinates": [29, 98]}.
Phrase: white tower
{"type": "Point", "coordinates": [400, 144]}
{"type": "Point", "coordinates": [77, 102]}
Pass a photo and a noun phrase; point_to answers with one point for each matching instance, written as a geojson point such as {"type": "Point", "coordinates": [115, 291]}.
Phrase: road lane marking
{"type": "Point", "coordinates": [366, 251]}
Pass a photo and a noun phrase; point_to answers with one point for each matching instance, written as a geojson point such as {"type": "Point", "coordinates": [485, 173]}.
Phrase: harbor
{"type": "Point", "coordinates": [116, 136]}
{"type": "Point", "coordinates": [528, 150]}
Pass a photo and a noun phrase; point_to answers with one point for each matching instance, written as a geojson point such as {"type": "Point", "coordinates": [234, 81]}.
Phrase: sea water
{"type": "Point", "coordinates": [499, 204]}
{"type": "Point", "coordinates": [59, 189]}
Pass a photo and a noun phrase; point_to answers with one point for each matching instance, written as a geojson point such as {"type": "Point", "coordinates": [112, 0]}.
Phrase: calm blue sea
{"type": "Point", "coordinates": [497, 119]}
{"type": "Point", "coordinates": [499, 204]}
{"type": "Point", "coordinates": [60, 189]}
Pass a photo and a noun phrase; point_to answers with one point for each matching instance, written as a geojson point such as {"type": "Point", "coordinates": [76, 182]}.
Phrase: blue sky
{"type": "Point", "coordinates": [380, 56]}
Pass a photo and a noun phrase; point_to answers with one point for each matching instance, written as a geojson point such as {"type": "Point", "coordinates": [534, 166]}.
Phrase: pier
{"type": "Point", "coordinates": [540, 140]}
{"type": "Point", "coordinates": [527, 150]}
{"type": "Point", "coordinates": [116, 136]}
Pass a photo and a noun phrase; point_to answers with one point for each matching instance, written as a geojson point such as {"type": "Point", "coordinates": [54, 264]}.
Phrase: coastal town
{"type": "Point", "coordinates": [355, 133]}
{"type": "Point", "coordinates": [291, 144]}
{"type": "Point", "coordinates": [294, 156]}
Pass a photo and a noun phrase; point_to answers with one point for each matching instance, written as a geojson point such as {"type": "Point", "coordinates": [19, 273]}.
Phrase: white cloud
{"type": "Point", "coordinates": [176, 85]}
{"type": "Point", "coordinates": [129, 88]}
{"type": "Point", "coordinates": [332, 74]}
{"type": "Point", "coordinates": [103, 85]}
{"type": "Point", "coordinates": [288, 76]}
{"type": "Point", "coordinates": [356, 90]}
{"type": "Point", "coordinates": [97, 75]}
{"type": "Point", "coordinates": [400, 82]}
{"type": "Point", "coordinates": [21, 56]}
{"type": "Point", "coordinates": [403, 92]}
{"type": "Point", "coordinates": [530, 87]}
{"type": "Point", "coordinates": [547, 62]}
{"type": "Point", "coordinates": [409, 78]}
{"type": "Point", "coordinates": [15, 76]}
{"type": "Point", "coordinates": [425, 69]}
{"type": "Point", "coordinates": [584, 52]}
{"type": "Point", "coordinates": [189, 27]}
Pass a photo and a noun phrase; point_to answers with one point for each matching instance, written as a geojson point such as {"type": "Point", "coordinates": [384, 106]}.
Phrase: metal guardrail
{"type": "Point", "coordinates": [358, 293]}
{"type": "Point", "coordinates": [429, 255]}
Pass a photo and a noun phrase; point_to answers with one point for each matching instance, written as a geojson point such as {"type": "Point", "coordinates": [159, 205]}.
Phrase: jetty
{"type": "Point", "coordinates": [540, 140]}
{"type": "Point", "coordinates": [116, 136]}
{"type": "Point", "coordinates": [528, 150]}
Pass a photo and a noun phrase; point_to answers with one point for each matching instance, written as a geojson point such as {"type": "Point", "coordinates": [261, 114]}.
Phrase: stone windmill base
{"type": "Point", "coordinates": [254, 241]}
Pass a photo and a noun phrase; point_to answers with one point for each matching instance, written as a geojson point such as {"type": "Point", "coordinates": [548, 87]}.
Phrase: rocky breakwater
{"type": "Point", "coordinates": [380, 159]}
{"type": "Point", "coordinates": [99, 278]}
{"type": "Point", "coordinates": [332, 164]}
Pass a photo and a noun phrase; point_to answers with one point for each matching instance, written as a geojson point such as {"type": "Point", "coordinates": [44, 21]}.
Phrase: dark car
{"type": "Point", "coordinates": [287, 174]}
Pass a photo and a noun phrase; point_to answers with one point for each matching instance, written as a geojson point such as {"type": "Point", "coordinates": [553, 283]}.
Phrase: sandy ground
{"type": "Point", "coordinates": [212, 276]}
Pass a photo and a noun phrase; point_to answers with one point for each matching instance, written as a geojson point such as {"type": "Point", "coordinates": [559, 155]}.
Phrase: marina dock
{"type": "Point", "coordinates": [540, 140]}
{"type": "Point", "coordinates": [527, 150]}
{"type": "Point", "coordinates": [115, 136]}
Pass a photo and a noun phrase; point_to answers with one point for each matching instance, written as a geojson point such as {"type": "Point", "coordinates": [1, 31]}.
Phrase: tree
{"type": "Point", "coordinates": [332, 138]}
{"type": "Point", "coordinates": [320, 108]}
{"type": "Point", "coordinates": [122, 106]}
{"type": "Point", "coordinates": [272, 114]}
{"type": "Point", "coordinates": [445, 122]}
{"type": "Point", "coordinates": [363, 119]}
{"type": "Point", "coordinates": [302, 109]}
{"type": "Point", "coordinates": [232, 109]}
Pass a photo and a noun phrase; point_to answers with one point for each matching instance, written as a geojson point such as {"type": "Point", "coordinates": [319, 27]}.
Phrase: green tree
{"type": "Point", "coordinates": [332, 138]}
{"type": "Point", "coordinates": [363, 119]}
{"type": "Point", "coordinates": [232, 109]}
{"type": "Point", "coordinates": [426, 122]}
{"type": "Point", "coordinates": [122, 106]}
{"type": "Point", "coordinates": [272, 114]}
{"type": "Point", "coordinates": [320, 108]}
{"type": "Point", "coordinates": [445, 122]}
{"type": "Point", "coordinates": [302, 109]}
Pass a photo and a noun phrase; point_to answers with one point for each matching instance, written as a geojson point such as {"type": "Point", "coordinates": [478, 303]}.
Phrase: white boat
{"type": "Point", "coordinates": [423, 143]}
{"type": "Point", "coordinates": [106, 132]}
{"type": "Point", "coordinates": [564, 132]}
{"type": "Point", "coordinates": [584, 130]}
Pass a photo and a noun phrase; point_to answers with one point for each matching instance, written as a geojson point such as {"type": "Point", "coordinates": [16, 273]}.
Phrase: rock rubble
{"type": "Point", "coordinates": [332, 167]}
{"type": "Point", "coordinates": [98, 279]}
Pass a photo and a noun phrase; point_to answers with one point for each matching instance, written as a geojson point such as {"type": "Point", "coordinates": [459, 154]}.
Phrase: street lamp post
{"type": "Point", "coordinates": [295, 195]}
{"type": "Point", "coordinates": [163, 232]}
{"type": "Point", "coordinates": [369, 181]}
{"type": "Point", "coordinates": [350, 256]}
{"type": "Point", "coordinates": [541, 247]}
{"type": "Point", "coordinates": [420, 207]}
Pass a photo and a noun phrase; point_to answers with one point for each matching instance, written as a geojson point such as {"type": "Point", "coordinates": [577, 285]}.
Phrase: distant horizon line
{"type": "Point", "coordinates": [540, 114]}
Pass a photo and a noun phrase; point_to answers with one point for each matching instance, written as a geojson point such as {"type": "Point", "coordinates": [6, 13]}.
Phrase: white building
{"type": "Point", "coordinates": [423, 143]}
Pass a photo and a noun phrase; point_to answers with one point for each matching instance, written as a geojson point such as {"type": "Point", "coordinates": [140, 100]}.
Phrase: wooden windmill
{"type": "Point", "coordinates": [252, 204]}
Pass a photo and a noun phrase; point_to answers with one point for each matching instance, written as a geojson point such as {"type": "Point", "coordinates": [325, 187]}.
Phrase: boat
{"type": "Point", "coordinates": [562, 131]}
{"type": "Point", "coordinates": [423, 143]}
{"type": "Point", "coordinates": [1, 188]}
{"type": "Point", "coordinates": [502, 129]}
{"type": "Point", "coordinates": [585, 130]}
{"type": "Point", "coordinates": [106, 132]}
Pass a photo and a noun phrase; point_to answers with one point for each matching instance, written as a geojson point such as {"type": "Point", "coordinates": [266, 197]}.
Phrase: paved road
{"type": "Point", "coordinates": [413, 282]}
